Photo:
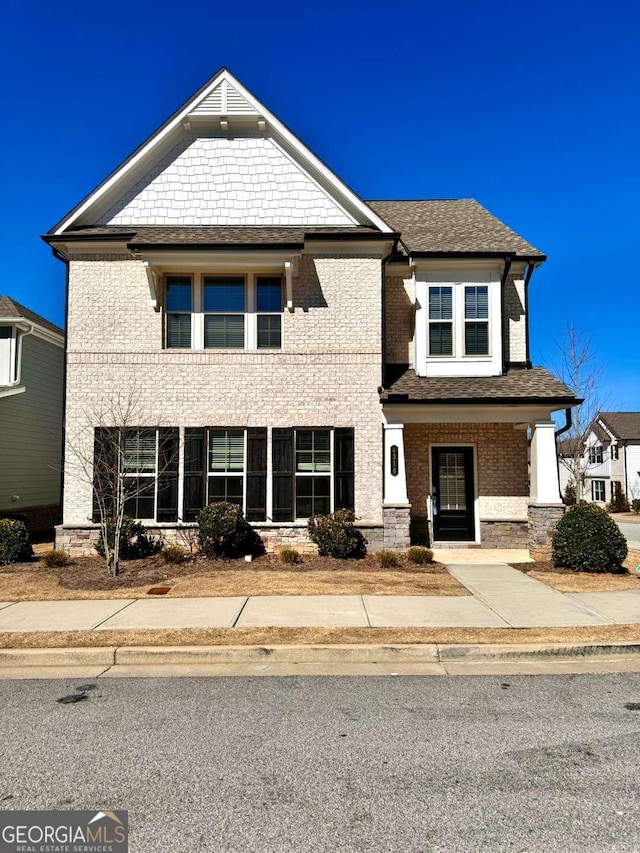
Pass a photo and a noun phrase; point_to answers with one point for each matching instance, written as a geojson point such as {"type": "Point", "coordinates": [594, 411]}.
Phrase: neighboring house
{"type": "Point", "coordinates": [31, 397]}
{"type": "Point", "coordinates": [303, 349]}
{"type": "Point", "coordinates": [609, 454]}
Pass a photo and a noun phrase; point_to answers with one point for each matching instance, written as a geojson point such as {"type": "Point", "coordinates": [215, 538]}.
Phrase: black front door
{"type": "Point", "coordinates": [452, 483]}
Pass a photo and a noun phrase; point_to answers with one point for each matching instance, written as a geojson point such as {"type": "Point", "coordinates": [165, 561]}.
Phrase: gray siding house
{"type": "Point", "coordinates": [31, 400]}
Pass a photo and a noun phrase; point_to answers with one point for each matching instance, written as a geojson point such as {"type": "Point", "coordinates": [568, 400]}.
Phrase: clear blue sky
{"type": "Point", "coordinates": [532, 108]}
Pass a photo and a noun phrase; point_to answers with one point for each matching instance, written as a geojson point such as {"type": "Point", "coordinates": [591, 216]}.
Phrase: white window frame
{"type": "Point", "coordinates": [466, 320]}
{"type": "Point", "coordinates": [599, 483]}
{"type": "Point", "coordinates": [240, 475]}
{"type": "Point", "coordinates": [306, 474]}
{"type": "Point", "coordinates": [451, 322]}
{"type": "Point", "coordinates": [595, 451]}
{"type": "Point", "coordinates": [12, 372]}
{"type": "Point", "coordinates": [250, 313]}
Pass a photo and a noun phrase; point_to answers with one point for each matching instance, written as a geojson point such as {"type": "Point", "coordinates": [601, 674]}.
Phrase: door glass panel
{"type": "Point", "coordinates": [451, 485]}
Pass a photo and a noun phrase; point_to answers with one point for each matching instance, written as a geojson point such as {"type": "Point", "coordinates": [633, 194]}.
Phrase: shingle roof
{"type": "Point", "coordinates": [213, 234]}
{"type": "Point", "coordinates": [451, 225]}
{"type": "Point", "coordinates": [10, 308]}
{"type": "Point", "coordinates": [515, 386]}
{"type": "Point", "coordinates": [624, 425]}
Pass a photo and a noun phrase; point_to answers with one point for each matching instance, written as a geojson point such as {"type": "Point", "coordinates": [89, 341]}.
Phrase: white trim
{"type": "Point", "coordinates": [306, 158]}
{"type": "Point", "coordinates": [9, 392]}
{"type": "Point", "coordinates": [34, 328]}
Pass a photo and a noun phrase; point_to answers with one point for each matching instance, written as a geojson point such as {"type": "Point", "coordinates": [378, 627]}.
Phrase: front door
{"type": "Point", "coordinates": [453, 494]}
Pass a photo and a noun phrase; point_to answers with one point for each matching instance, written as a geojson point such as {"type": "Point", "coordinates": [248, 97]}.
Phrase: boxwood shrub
{"type": "Point", "coordinates": [223, 531]}
{"type": "Point", "coordinates": [14, 541]}
{"type": "Point", "coordinates": [587, 540]}
{"type": "Point", "coordinates": [336, 536]}
{"type": "Point", "coordinates": [135, 542]}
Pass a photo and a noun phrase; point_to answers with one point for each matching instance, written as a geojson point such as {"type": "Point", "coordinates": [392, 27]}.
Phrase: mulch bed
{"type": "Point", "coordinates": [89, 573]}
{"type": "Point", "coordinates": [547, 566]}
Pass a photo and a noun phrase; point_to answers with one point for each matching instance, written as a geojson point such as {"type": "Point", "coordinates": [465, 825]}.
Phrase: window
{"type": "Point", "coordinates": [313, 472]}
{"type": "Point", "coordinates": [224, 307]}
{"type": "Point", "coordinates": [226, 466]}
{"type": "Point", "coordinates": [7, 355]}
{"type": "Point", "coordinates": [178, 308]}
{"type": "Point", "coordinates": [614, 451]}
{"type": "Point", "coordinates": [595, 455]}
{"type": "Point", "coordinates": [597, 490]}
{"type": "Point", "coordinates": [476, 320]}
{"type": "Point", "coordinates": [140, 466]}
{"type": "Point", "coordinates": [440, 321]}
{"type": "Point", "coordinates": [269, 311]}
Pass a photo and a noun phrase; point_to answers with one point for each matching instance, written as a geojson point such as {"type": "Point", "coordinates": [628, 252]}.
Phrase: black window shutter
{"type": "Point", "coordinates": [343, 475]}
{"type": "Point", "coordinates": [194, 473]}
{"type": "Point", "coordinates": [168, 448]}
{"type": "Point", "coordinates": [282, 447]}
{"type": "Point", "coordinates": [105, 471]}
{"type": "Point", "coordinates": [257, 474]}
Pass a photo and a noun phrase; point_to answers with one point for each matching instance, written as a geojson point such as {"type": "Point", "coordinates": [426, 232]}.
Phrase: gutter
{"type": "Point", "coordinates": [567, 423]}
{"type": "Point", "coordinates": [405, 399]}
{"type": "Point", "coordinates": [530, 269]}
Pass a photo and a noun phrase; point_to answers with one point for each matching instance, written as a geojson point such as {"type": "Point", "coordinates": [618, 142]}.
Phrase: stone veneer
{"type": "Point", "coordinates": [543, 519]}
{"type": "Point", "coordinates": [397, 521]}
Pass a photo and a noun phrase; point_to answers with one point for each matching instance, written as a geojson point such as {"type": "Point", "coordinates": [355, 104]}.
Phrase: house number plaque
{"type": "Point", "coordinates": [394, 460]}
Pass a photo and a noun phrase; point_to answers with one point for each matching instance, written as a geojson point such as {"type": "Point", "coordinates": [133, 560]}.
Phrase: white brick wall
{"type": "Point", "coordinates": [225, 181]}
{"type": "Point", "coordinates": [327, 374]}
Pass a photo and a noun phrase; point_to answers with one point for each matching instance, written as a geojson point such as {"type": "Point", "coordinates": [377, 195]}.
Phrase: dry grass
{"type": "Point", "coordinates": [86, 578]}
{"type": "Point", "coordinates": [566, 580]}
{"type": "Point", "coordinates": [316, 636]}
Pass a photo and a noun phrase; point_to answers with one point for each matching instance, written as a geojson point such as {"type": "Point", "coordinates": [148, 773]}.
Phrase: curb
{"type": "Point", "coordinates": [401, 653]}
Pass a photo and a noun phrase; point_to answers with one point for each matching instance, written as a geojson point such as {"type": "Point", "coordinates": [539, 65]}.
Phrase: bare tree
{"type": "Point", "coordinates": [579, 368]}
{"type": "Point", "coordinates": [123, 461]}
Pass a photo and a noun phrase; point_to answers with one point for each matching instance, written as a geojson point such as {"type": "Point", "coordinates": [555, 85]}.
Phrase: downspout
{"type": "Point", "coordinates": [503, 281]}
{"type": "Point", "coordinates": [60, 257]}
{"type": "Point", "coordinates": [530, 268]}
{"type": "Point", "coordinates": [567, 423]}
{"type": "Point", "coordinates": [383, 328]}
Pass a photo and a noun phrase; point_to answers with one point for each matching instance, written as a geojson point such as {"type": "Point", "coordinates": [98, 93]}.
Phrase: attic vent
{"type": "Point", "coordinates": [212, 104]}
{"type": "Point", "coordinates": [224, 100]}
{"type": "Point", "coordinates": [237, 105]}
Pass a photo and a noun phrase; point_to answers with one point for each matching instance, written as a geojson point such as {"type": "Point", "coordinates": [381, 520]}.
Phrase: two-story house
{"type": "Point", "coordinates": [304, 350]}
{"type": "Point", "coordinates": [609, 454]}
{"type": "Point", "coordinates": [31, 396]}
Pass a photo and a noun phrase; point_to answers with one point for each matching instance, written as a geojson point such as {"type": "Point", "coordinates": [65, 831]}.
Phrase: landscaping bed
{"type": "Point", "coordinates": [568, 580]}
{"type": "Point", "coordinates": [198, 576]}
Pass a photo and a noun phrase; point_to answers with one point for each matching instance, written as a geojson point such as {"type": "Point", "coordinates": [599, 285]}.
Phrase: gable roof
{"type": "Point", "coordinates": [624, 425]}
{"type": "Point", "coordinates": [449, 226]}
{"type": "Point", "coordinates": [222, 96]}
{"type": "Point", "coordinates": [10, 309]}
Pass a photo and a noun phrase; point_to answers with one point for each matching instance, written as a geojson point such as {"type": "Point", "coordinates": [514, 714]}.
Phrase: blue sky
{"type": "Point", "coordinates": [530, 108]}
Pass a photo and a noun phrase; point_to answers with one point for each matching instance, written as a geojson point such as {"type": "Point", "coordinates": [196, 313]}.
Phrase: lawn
{"type": "Point", "coordinates": [566, 580]}
{"type": "Point", "coordinates": [198, 576]}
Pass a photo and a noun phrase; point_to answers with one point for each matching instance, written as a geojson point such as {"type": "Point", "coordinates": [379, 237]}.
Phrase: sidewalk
{"type": "Point", "coordinates": [501, 597]}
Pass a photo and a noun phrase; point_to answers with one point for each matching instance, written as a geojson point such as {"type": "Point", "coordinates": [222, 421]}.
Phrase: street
{"type": "Point", "coordinates": [518, 763]}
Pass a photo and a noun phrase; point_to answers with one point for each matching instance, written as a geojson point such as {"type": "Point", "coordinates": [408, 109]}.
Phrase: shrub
{"type": "Point", "coordinates": [635, 504]}
{"type": "Point", "coordinates": [135, 542]}
{"type": "Point", "coordinates": [14, 541]}
{"type": "Point", "coordinates": [570, 497]}
{"type": "Point", "coordinates": [223, 531]}
{"type": "Point", "coordinates": [419, 555]}
{"type": "Point", "coordinates": [55, 558]}
{"type": "Point", "coordinates": [619, 502]}
{"type": "Point", "coordinates": [336, 536]}
{"type": "Point", "coordinates": [289, 556]}
{"type": "Point", "coordinates": [173, 554]}
{"type": "Point", "coordinates": [587, 540]}
{"type": "Point", "coordinates": [387, 558]}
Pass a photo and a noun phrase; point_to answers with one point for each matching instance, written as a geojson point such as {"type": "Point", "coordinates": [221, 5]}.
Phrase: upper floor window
{"type": "Point", "coordinates": [614, 451]}
{"type": "Point", "coordinates": [178, 306]}
{"type": "Point", "coordinates": [465, 319]}
{"type": "Point", "coordinates": [595, 455]}
{"type": "Point", "coordinates": [223, 312]}
{"type": "Point", "coordinates": [8, 345]}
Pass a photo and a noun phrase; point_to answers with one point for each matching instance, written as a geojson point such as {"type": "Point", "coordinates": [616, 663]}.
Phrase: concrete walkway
{"type": "Point", "coordinates": [502, 597]}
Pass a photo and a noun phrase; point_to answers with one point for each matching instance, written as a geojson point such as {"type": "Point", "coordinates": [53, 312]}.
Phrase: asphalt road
{"type": "Point", "coordinates": [414, 765]}
{"type": "Point", "coordinates": [630, 531]}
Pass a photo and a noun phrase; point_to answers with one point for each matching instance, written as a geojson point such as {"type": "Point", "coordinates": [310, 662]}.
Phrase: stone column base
{"type": "Point", "coordinates": [543, 519]}
{"type": "Point", "coordinates": [397, 522]}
